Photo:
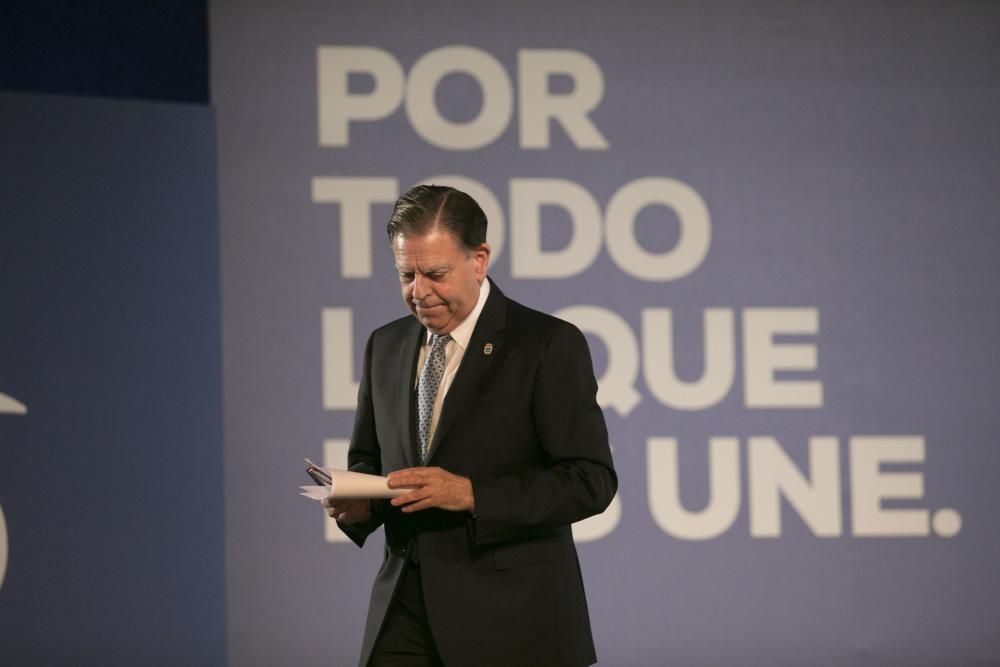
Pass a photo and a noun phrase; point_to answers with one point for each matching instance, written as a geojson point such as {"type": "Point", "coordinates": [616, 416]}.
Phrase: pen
{"type": "Point", "coordinates": [319, 475]}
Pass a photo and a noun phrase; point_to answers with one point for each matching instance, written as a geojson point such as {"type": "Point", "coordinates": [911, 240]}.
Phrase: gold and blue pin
{"type": "Point", "coordinates": [488, 348]}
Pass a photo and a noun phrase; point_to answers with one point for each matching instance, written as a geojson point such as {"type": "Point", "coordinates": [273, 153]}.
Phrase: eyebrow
{"type": "Point", "coordinates": [434, 269]}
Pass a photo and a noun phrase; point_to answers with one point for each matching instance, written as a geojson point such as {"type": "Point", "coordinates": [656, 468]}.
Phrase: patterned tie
{"type": "Point", "coordinates": [427, 389]}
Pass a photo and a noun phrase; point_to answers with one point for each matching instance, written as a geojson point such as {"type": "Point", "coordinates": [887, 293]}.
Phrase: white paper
{"type": "Point", "coordinates": [315, 492]}
{"type": "Point", "coordinates": [347, 485]}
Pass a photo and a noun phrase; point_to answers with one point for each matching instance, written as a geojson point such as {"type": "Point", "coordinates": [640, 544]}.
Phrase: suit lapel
{"type": "Point", "coordinates": [475, 361]}
{"type": "Point", "coordinates": [409, 353]}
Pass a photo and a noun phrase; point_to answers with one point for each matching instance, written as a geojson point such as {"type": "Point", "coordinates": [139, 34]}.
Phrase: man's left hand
{"type": "Point", "coordinates": [435, 487]}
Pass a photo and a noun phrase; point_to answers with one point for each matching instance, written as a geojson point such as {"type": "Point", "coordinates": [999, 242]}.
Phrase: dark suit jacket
{"type": "Point", "coordinates": [502, 587]}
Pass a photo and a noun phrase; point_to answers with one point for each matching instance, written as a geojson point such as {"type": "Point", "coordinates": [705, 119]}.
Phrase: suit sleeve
{"type": "Point", "coordinates": [365, 454]}
{"type": "Point", "coordinates": [575, 477]}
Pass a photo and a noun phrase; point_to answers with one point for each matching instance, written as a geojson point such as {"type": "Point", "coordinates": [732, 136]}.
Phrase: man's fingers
{"type": "Point", "coordinates": [346, 511]}
{"type": "Point", "coordinates": [397, 480]}
{"type": "Point", "coordinates": [410, 476]}
{"type": "Point", "coordinates": [412, 496]}
{"type": "Point", "coordinates": [420, 505]}
{"type": "Point", "coordinates": [434, 487]}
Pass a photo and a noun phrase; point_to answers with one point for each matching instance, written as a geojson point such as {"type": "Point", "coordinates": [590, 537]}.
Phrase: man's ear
{"type": "Point", "coordinates": [481, 255]}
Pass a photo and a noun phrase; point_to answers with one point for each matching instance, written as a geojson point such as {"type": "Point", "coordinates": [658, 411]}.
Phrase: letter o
{"type": "Point", "coordinates": [493, 117]}
{"type": "Point", "coordinates": [695, 229]}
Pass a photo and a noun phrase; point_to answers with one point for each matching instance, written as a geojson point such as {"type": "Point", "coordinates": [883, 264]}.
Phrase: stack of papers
{"type": "Point", "coordinates": [346, 484]}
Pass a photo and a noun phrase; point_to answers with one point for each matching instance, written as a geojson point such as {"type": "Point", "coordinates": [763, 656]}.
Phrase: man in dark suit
{"type": "Point", "coordinates": [487, 410]}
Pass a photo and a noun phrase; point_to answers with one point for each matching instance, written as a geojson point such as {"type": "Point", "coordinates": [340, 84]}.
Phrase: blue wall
{"type": "Point", "coordinates": [111, 483]}
{"type": "Point", "coordinates": [111, 548]}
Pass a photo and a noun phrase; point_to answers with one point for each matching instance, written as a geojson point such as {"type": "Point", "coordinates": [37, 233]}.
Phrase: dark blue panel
{"type": "Point", "coordinates": [111, 484]}
{"type": "Point", "coordinates": [114, 48]}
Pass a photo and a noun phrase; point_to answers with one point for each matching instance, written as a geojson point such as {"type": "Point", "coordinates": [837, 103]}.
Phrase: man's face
{"type": "Point", "coordinates": [439, 278]}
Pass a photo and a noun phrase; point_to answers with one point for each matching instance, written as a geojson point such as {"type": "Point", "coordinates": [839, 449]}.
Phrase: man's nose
{"type": "Point", "coordinates": [420, 287]}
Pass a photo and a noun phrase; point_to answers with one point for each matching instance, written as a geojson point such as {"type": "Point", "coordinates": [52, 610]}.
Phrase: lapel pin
{"type": "Point", "coordinates": [488, 348]}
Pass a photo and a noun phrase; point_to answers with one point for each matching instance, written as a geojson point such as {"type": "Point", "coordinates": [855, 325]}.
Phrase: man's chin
{"type": "Point", "coordinates": [435, 325]}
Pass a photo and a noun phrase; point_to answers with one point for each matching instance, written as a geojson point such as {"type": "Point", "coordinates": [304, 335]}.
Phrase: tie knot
{"type": "Point", "coordinates": [439, 341]}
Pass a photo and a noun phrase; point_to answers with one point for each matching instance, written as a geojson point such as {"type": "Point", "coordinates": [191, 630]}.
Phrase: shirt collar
{"type": "Point", "coordinates": [462, 334]}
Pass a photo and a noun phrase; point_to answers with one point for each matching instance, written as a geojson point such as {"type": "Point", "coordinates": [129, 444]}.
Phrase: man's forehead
{"type": "Point", "coordinates": [435, 246]}
{"type": "Point", "coordinates": [436, 235]}
{"type": "Point", "coordinates": [425, 260]}
{"type": "Point", "coordinates": [421, 266]}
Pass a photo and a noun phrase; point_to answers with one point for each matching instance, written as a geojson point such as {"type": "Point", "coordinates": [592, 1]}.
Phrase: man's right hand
{"type": "Point", "coordinates": [348, 512]}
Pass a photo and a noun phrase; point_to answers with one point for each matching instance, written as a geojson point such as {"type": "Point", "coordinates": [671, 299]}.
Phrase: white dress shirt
{"type": "Point", "coordinates": [453, 352]}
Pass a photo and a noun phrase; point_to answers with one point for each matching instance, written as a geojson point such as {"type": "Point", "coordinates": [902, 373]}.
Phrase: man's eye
{"type": "Point", "coordinates": [406, 277]}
